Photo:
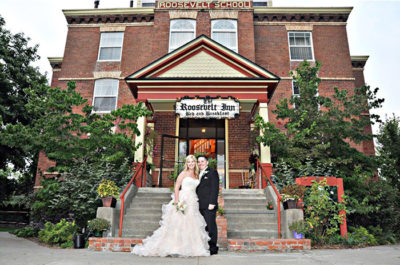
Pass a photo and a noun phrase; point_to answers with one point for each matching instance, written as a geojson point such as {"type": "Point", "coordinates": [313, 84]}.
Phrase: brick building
{"type": "Point", "coordinates": [204, 69]}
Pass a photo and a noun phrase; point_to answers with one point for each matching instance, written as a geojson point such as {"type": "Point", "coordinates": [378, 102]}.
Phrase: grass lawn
{"type": "Point", "coordinates": [7, 229]}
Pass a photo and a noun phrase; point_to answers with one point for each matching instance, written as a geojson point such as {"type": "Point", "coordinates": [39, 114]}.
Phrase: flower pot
{"type": "Point", "coordinates": [290, 204]}
{"type": "Point", "coordinates": [109, 201]}
{"type": "Point", "coordinates": [297, 235]}
{"type": "Point", "coordinates": [79, 241]}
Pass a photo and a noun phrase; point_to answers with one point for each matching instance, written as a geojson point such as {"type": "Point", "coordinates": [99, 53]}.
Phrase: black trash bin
{"type": "Point", "coordinates": [79, 241]}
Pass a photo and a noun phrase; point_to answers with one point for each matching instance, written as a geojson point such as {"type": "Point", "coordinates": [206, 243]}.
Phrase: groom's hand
{"type": "Point", "coordinates": [211, 207]}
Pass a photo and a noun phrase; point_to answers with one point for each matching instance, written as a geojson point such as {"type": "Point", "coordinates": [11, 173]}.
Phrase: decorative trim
{"type": "Point", "coordinates": [114, 75]}
{"type": "Point", "coordinates": [303, 27]}
{"type": "Point", "coordinates": [134, 24]}
{"type": "Point", "coordinates": [82, 78]}
{"type": "Point", "coordinates": [112, 28]}
{"type": "Point", "coordinates": [280, 23]}
{"type": "Point", "coordinates": [174, 14]}
{"type": "Point", "coordinates": [325, 78]}
{"type": "Point", "coordinates": [220, 14]}
{"type": "Point", "coordinates": [303, 10]}
{"type": "Point", "coordinates": [107, 11]}
{"type": "Point", "coordinates": [272, 14]}
{"type": "Point", "coordinates": [338, 78]}
{"type": "Point", "coordinates": [55, 63]}
{"type": "Point", "coordinates": [359, 61]}
{"type": "Point", "coordinates": [114, 15]}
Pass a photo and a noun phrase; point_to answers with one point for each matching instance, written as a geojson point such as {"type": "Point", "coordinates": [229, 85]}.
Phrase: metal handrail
{"type": "Point", "coordinates": [139, 168]}
{"type": "Point", "coordinates": [277, 195]}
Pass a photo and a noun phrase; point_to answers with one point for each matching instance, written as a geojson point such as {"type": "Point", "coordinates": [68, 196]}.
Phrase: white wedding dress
{"type": "Point", "coordinates": [179, 234]}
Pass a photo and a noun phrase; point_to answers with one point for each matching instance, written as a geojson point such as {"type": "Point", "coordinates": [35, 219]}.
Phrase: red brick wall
{"type": "Point", "coordinates": [271, 49]}
{"type": "Point", "coordinates": [81, 51]}
{"type": "Point", "coordinates": [246, 35]}
{"type": "Point", "coordinates": [331, 48]}
{"type": "Point", "coordinates": [203, 24]}
{"type": "Point", "coordinates": [239, 149]}
{"type": "Point", "coordinates": [164, 123]}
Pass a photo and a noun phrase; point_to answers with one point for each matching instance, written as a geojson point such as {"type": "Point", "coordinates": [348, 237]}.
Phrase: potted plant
{"type": "Point", "coordinates": [291, 194]}
{"type": "Point", "coordinates": [299, 228]}
{"type": "Point", "coordinates": [107, 190]}
{"type": "Point", "coordinates": [97, 226]}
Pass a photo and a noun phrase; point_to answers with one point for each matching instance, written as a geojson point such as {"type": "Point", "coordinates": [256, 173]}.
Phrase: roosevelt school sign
{"type": "Point", "coordinates": [216, 4]}
{"type": "Point", "coordinates": [207, 108]}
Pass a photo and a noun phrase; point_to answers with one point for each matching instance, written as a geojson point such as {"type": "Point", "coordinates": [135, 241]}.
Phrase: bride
{"type": "Point", "coordinates": [182, 231]}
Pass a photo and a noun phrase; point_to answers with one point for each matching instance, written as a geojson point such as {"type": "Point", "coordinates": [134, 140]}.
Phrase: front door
{"type": "Point", "coordinates": [206, 137]}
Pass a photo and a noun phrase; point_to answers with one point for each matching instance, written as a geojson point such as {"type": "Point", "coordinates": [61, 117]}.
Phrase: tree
{"type": "Point", "coordinates": [317, 140]}
{"type": "Point", "coordinates": [389, 148]}
{"type": "Point", "coordinates": [69, 132]}
{"type": "Point", "coordinates": [86, 147]}
{"type": "Point", "coordinates": [319, 130]}
{"type": "Point", "coordinates": [17, 74]}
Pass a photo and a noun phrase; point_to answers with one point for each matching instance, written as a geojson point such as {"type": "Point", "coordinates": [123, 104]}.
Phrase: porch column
{"type": "Point", "coordinates": [139, 154]}
{"type": "Point", "coordinates": [265, 151]}
{"type": "Point", "coordinates": [226, 154]}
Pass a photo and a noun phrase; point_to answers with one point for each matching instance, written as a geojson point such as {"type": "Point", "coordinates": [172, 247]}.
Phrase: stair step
{"type": "Point", "coordinates": [143, 211]}
{"type": "Point", "coordinates": [150, 202]}
{"type": "Point", "coordinates": [252, 234]}
{"type": "Point", "coordinates": [140, 226]}
{"type": "Point", "coordinates": [154, 190]}
{"type": "Point", "coordinates": [243, 191]}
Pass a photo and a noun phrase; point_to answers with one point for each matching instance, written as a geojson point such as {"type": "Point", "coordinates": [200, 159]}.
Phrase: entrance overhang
{"type": "Point", "coordinates": [202, 68]}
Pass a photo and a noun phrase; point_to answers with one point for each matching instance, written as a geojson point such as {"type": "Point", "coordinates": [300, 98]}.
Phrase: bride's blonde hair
{"type": "Point", "coordinates": [196, 167]}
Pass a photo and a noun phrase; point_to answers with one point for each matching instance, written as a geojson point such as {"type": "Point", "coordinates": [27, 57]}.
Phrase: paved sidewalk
{"type": "Point", "coordinates": [20, 251]}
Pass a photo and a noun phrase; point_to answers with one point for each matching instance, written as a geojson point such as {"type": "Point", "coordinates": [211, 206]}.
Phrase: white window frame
{"type": "Point", "coordinates": [293, 84]}
{"type": "Point", "coordinates": [96, 82]}
{"type": "Point", "coordinates": [311, 46]}
{"type": "Point", "coordinates": [172, 22]}
{"type": "Point", "coordinates": [213, 31]}
{"type": "Point", "coordinates": [119, 46]}
{"type": "Point", "coordinates": [298, 95]}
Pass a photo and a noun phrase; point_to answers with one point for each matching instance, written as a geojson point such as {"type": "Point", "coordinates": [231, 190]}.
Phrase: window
{"type": "Point", "coordinates": [300, 46]}
{"type": "Point", "coordinates": [181, 31]}
{"type": "Point", "coordinates": [260, 3]}
{"type": "Point", "coordinates": [105, 95]}
{"type": "Point", "coordinates": [224, 31]}
{"type": "Point", "coordinates": [148, 3]}
{"type": "Point", "coordinates": [295, 89]}
{"type": "Point", "coordinates": [111, 46]}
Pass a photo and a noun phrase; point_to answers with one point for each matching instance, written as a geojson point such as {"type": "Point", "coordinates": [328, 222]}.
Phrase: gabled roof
{"type": "Point", "coordinates": [205, 65]}
{"type": "Point", "coordinates": [207, 54]}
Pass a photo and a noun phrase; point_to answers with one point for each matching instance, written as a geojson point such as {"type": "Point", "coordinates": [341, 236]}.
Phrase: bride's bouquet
{"type": "Point", "coordinates": [181, 206]}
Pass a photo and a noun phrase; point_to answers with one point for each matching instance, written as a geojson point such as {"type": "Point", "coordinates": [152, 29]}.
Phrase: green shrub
{"type": "Point", "coordinates": [27, 231]}
{"type": "Point", "coordinates": [60, 234]}
{"type": "Point", "coordinates": [322, 213]}
{"type": "Point", "coordinates": [382, 237]}
{"type": "Point", "coordinates": [361, 237]}
{"type": "Point", "coordinates": [98, 224]}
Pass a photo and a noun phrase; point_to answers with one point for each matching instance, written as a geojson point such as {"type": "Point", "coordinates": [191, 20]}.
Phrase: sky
{"type": "Point", "coordinates": [373, 29]}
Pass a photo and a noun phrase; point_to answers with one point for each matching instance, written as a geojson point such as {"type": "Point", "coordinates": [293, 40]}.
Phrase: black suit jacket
{"type": "Point", "coordinates": [208, 189]}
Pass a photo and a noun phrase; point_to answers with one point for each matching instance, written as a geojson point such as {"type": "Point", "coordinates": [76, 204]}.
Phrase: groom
{"type": "Point", "coordinates": [207, 191]}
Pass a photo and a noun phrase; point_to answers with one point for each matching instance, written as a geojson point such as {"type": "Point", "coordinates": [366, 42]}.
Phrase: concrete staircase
{"type": "Point", "coordinates": [144, 213]}
{"type": "Point", "coordinates": [247, 215]}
